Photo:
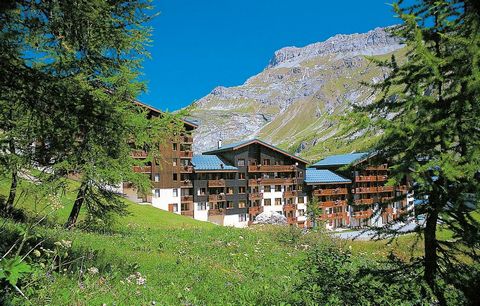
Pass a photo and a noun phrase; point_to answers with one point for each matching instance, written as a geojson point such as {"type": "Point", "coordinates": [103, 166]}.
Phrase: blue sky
{"type": "Point", "coordinates": [198, 45]}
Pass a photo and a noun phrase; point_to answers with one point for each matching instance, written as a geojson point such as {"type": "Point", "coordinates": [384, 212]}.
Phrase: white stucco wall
{"type": "Point", "coordinates": [166, 197]}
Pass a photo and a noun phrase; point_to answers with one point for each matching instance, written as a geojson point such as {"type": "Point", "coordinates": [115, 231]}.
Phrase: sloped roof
{"type": "Point", "coordinates": [209, 163]}
{"type": "Point", "coordinates": [159, 112]}
{"type": "Point", "coordinates": [316, 176]}
{"type": "Point", "coordinates": [340, 159]}
{"type": "Point", "coordinates": [241, 144]}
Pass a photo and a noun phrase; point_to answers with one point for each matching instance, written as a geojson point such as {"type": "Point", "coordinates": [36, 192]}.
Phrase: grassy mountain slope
{"type": "Point", "coordinates": [295, 102]}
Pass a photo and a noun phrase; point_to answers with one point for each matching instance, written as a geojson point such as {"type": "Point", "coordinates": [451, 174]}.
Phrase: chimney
{"type": "Point", "coordinates": [219, 143]}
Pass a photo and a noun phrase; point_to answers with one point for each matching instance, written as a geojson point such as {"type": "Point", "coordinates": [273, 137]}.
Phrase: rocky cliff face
{"type": "Point", "coordinates": [293, 103]}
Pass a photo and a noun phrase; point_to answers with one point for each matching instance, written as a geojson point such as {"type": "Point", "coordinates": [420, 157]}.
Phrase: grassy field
{"type": "Point", "coordinates": [156, 256]}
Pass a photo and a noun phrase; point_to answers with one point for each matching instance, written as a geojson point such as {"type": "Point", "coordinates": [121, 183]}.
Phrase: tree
{"type": "Point", "coordinates": [429, 112]}
{"type": "Point", "coordinates": [78, 64]}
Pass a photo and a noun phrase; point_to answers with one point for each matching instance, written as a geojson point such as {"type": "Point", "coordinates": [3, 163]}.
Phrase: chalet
{"type": "Point", "coordinates": [272, 178]}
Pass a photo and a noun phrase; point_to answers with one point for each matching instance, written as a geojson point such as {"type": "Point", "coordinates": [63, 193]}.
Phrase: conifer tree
{"type": "Point", "coordinates": [429, 112]}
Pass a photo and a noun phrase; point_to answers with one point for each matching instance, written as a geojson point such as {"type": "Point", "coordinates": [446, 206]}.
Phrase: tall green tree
{"type": "Point", "coordinates": [429, 112]}
{"type": "Point", "coordinates": [68, 86]}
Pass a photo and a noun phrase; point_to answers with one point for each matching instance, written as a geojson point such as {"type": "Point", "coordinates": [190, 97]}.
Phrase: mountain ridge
{"type": "Point", "coordinates": [293, 102]}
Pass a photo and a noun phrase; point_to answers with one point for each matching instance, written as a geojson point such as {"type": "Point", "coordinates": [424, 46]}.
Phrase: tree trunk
{"type": "Point", "coordinates": [12, 194]}
{"type": "Point", "coordinates": [72, 219]}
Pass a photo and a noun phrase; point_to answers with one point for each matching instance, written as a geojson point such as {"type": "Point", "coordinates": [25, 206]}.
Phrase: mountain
{"type": "Point", "coordinates": [294, 102]}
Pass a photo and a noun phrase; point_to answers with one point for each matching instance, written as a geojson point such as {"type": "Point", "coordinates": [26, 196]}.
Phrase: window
{"type": "Point", "coordinates": [267, 188]}
{"type": "Point", "coordinates": [301, 212]}
{"type": "Point", "coordinates": [156, 178]}
{"type": "Point", "coordinates": [185, 206]}
{"type": "Point", "coordinates": [202, 191]}
{"type": "Point", "coordinates": [241, 204]}
{"type": "Point", "coordinates": [301, 200]}
{"type": "Point", "coordinates": [175, 177]}
{"type": "Point", "coordinates": [185, 162]}
{"type": "Point", "coordinates": [300, 174]}
{"type": "Point", "coordinates": [278, 188]}
{"type": "Point", "coordinates": [174, 207]}
{"type": "Point", "coordinates": [242, 218]}
{"type": "Point", "coordinates": [157, 193]}
{"type": "Point", "coordinates": [175, 147]}
{"type": "Point", "coordinates": [241, 176]}
{"type": "Point", "coordinates": [175, 192]}
{"type": "Point", "coordinates": [241, 163]}
{"type": "Point", "coordinates": [229, 204]}
{"type": "Point", "coordinates": [242, 189]}
{"type": "Point", "coordinates": [202, 206]}
{"type": "Point", "coordinates": [267, 202]}
{"type": "Point", "coordinates": [174, 162]}
{"type": "Point", "coordinates": [266, 161]}
{"type": "Point", "coordinates": [278, 201]}
{"type": "Point", "coordinates": [229, 190]}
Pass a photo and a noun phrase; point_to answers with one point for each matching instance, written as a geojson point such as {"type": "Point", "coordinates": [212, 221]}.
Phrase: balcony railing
{"type": "Point", "coordinates": [366, 178]}
{"type": "Point", "coordinates": [186, 139]}
{"type": "Point", "coordinates": [271, 181]}
{"type": "Point", "coordinates": [187, 213]}
{"type": "Point", "coordinates": [325, 192]}
{"type": "Point", "coordinates": [333, 203]}
{"type": "Point", "coordinates": [255, 210]}
{"type": "Point", "coordinates": [291, 220]}
{"type": "Point", "coordinates": [186, 169]}
{"type": "Point", "coordinates": [366, 190]}
{"type": "Point", "coordinates": [271, 168]}
{"type": "Point", "coordinates": [382, 178]}
{"type": "Point", "coordinates": [216, 198]}
{"type": "Point", "coordinates": [216, 183]}
{"type": "Point", "coordinates": [364, 201]}
{"type": "Point", "coordinates": [338, 215]}
{"type": "Point", "coordinates": [142, 169]}
{"type": "Point", "coordinates": [187, 199]}
{"type": "Point", "coordinates": [255, 196]}
{"type": "Point", "coordinates": [386, 189]}
{"type": "Point", "coordinates": [185, 154]}
{"type": "Point", "coordinates": [378, 167]}
{"type": "Point", "coordinates": [290, 194]}
{"type": "Point", "coordinates": [186, 184]}
{"type": "Point", "coordinates": [362, 214]}
{"type": "Point", "coordinates": [138, 154]}
{"type": "Point", "coordinates": [216, 212]}
{"type": "Point", "coordinates": [290, 207]}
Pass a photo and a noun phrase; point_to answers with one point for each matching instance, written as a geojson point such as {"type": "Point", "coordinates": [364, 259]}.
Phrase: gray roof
{"type": "Point", "coordinates": [210, 162]}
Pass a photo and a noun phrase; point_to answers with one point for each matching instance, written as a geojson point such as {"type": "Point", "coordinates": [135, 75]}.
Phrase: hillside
{"type": "Point", "coordinates": [294, 101]}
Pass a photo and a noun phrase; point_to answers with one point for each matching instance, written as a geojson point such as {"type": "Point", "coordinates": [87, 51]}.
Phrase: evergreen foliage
{"type": "Point", "coordinates": [429, 113]}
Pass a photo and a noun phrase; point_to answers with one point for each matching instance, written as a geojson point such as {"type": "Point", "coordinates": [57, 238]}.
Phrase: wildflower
{"type": "Point", "coordinates": [37, 253]}
{"type": "Point", "coordinates": [141, 281]}
{"type": "Point", "coordinates": [92, 270]}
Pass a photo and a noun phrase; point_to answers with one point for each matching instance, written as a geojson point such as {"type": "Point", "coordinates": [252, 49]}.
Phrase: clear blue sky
{"type": "Point", "coordinates": [198, 45]}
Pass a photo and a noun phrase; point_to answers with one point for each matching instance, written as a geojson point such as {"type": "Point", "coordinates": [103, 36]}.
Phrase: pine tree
{"type": "Point", "coordinates": [429, 112]}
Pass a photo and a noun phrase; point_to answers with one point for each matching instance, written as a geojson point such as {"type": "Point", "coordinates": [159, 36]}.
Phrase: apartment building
{"type": "Point", "coordinates": [273, 179]}
{"type": "Point", "coordinates": [171, 175]}
{"type": "Point", "coordinates": [369, 201]}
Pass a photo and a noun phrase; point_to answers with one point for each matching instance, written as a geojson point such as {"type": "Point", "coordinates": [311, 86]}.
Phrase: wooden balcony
{"type": "Point", "coordinates": [290, 194]}
{"type": "Point", "coordinates": [386, 189]}
{"type": "Point", "coordinates": [366, 190]}
{"type": "Point", "coordinates": [378, 167]}
{"type": "Point", "coordinates": [185, 154]}
{"type": "Point", "coordinates": [364, 201]}
{"type": "Point", "coordinates": [142, 169]}
{"type": "Point", "coordinates": [216, 183]}
{"type": "Point", "coordinates": [255, 210]}
{"type": "Point", "coordinates": [216, 198]}
{"type": "Point", "coordinates": [291, 220]}
{"type": "Point", "coordinates": [325, 192]}
{"type": "Point", "coordinates": [382, 178]}
{"type": "Point", "coordinates": [271, 181]}
{"type": "Point", "coordinates": [187, 199]}
{"type": "Point", "coordinates": [187, 213]}
{"type": "Point", "coordinates": [186, 139]}
{"type": "Point", "coordinates": [366, 178]}
{"type": "Point", "coordinates": [290, 207]}
{"type": "Point", "coordinates": [186, 184]}
{"type": "Point", "coordinates": [186, 169]}
{"type": "Point", "coordinates": [362, 214]}
{"type": "Point", "coordinates": [138, 154]}
{"type": "Point", "coordinates": [216, 212]}
{"type": "Point", "coordinates": [333, 203]}
{"type": "Point", "coordinates": [338, 215]}
{"type": "Point", "coordinates": [255, 196]}
{"type": "Point", "coordinates": [272, 168]}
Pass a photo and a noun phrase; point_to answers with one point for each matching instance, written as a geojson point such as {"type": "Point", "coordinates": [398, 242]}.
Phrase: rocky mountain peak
{"type": "Point", "coordinates": [374, 42]}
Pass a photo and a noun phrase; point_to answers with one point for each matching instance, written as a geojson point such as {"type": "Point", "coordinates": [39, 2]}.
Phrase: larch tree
{"type": "Point", "coordinates": [429, 112]}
